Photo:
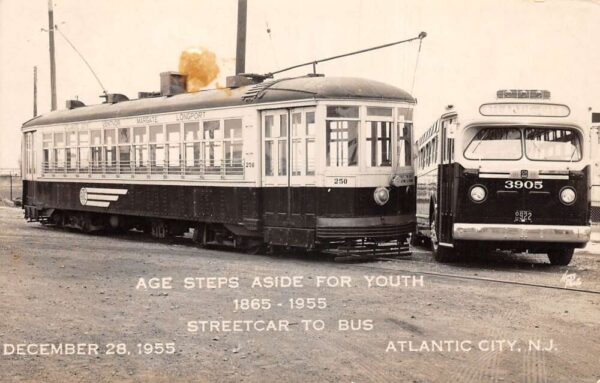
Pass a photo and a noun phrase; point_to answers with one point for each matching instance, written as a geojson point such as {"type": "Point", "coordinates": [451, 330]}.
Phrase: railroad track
{"type": "Point", "coordinates": [465, 277]}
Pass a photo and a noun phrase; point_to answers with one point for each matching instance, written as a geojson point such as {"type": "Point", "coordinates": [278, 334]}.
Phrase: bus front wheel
{"type": "Point", "coordinates": [561, 256]}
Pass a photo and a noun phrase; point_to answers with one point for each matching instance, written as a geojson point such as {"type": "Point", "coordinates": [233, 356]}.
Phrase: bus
{"type": "Point", "coordinates": [595, 168]}
{"type": "Point", "coordinates": [510, 174]}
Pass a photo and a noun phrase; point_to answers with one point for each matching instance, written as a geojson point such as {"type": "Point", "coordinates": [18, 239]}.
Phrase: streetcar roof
{"type": "Point", "coordinates": [289, 89]}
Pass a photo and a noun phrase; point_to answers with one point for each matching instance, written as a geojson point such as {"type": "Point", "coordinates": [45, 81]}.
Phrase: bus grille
{"type": "Point", "coordinates": [389, 231]}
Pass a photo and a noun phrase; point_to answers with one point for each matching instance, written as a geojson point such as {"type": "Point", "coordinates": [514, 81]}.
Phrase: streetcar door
{"type": "Point", "coordinates": [275, 166]}
{"type": "Point", "coordinates": [302, 192]}
{"type": "Point", "coordinates": [288, 172]}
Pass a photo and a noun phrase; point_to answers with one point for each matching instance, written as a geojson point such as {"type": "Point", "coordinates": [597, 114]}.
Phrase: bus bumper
{"type": "Point", "coordinates": [529, 233]}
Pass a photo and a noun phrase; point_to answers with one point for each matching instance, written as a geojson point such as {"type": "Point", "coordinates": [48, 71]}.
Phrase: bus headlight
{"type": "Point", "coordinates": [478, 193]}
{"type": "Point", "coordinates": [381, 195]}
{"type": "Point", "coordinates": [567, 195]}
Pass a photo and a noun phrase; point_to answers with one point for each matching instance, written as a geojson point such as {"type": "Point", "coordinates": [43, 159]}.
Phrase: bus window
{"type": "Point", "coordinates": [342, 135]}
{"type": "Point", "coordinates": [495, 144]}
{"type": "Point", "coordinates": [549, 144]}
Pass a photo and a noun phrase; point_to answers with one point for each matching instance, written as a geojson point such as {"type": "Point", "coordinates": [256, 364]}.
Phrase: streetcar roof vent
{"type": "Point", "coordinates": [523, 93]}
{"type": "Point", "coordinates": [72, 104]}
{"type": "Point", "coordinates": [148, 94]}
{"type": "Point", "coordinates": [113, 98]}
{"type": "Point", "coordinates": [172, 83]}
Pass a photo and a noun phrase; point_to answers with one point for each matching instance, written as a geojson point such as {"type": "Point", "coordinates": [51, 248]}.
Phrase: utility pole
{"type": "Point", "coordinates": [240, 52]}
{"type": "Point", "coordinates": [35, 91]}
{"type": "Point", "coordinates": [52, 61]}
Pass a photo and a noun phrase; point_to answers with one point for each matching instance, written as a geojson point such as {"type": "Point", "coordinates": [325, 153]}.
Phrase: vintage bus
{"type": "Point", "coordinates": [595, 168]}
{"type": "Point", "coordinates": [509, 174]}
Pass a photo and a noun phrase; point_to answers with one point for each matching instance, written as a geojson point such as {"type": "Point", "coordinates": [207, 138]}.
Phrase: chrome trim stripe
{"type": "Point", "coordinates": [97, 203]}
{"type": "Point", "coordinates": [494, 175]}
{"type": "Point", "coordinates": [527, 233]}
{"type": "Point", "coordinates": [107, 191]}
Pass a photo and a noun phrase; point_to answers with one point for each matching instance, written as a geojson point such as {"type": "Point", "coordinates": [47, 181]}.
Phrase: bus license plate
{"type": "Point", "coordinates": [523, 216]}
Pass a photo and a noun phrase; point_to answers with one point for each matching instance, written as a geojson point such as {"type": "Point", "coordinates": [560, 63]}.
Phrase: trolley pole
{"type": "Point", "coordinates": [240, 52]}
{"type": "Point", "coordinates": [10, 176]}
{"type": "Point", "coordinates": [52, 60]}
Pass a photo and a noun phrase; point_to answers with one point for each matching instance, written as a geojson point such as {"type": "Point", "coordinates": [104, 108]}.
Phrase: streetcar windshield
{"type": "Point", "coordinates": [552, 144]}
{"type": "Point", "coordinates": [495, 144]}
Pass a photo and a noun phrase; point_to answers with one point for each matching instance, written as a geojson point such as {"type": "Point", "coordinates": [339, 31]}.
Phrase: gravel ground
{"type": "Point", "coordinates": [60, 287]}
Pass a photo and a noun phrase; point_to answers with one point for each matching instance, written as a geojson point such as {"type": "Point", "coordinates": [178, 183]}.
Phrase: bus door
{"type": "Point", "coordinates": [595, 173]}
{"type": "Point", "coordinates": [287, 171]}
{"type": "Point", "coordinates": [446, 181]}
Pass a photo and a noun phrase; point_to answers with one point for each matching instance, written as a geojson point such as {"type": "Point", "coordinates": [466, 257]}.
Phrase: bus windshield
{"type": "Point", "coordinates": [552, 144]}
{"type": "Point", "coordinates": [495, 144]}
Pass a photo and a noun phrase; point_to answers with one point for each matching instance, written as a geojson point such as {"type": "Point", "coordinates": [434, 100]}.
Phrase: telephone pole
{"type": "Point", "coordinates": [240, 52]}
{"type": "Point", "coordinates": [35, 91]}
{"type": "Point", "coordinates": [52, 61]}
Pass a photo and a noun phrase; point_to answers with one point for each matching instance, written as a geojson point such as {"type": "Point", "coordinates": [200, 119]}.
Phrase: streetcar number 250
{"type": "Point", "coordinates": [510, 184]}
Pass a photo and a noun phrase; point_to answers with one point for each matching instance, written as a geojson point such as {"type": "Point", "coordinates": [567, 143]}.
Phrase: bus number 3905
{"type": "Point", "coordinates": [510, 184]}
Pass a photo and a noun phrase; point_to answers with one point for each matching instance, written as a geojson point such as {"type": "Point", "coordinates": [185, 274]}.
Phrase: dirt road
{"type": "Point", "coordinates": [385, 321]}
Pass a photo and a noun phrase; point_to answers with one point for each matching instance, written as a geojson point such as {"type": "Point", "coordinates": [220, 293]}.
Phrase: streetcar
{"type": "Point", "coordinates": [313, 162]}
{"type": "Point", "coordinates": [510, 174]}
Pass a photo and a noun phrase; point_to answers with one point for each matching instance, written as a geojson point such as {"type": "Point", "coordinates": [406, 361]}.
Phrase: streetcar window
{"type": "Point", "coordinates": [268, 126]}
{"type": "Point", "coordinates": [71, 151]}
{"type": "Point", "coordinates": [495, 144]}
{"type": "Point", "coordinates": [342, 111]}
{"type": "Point", "coordinates": [297, 147]}
{"type": "Point", "coordinates": [110, 151]}
{"type": "Point", "coordinates": [379, 111]}
{"type": "Point", "coordinates": [233, 128]}
{"type": "Point", "coordinates": [46, 144]}
{"type": "Point", "coordinates": [59, 151]}
{"type": "Point", "coordinates": [140, 150]}
{"type": "Point", "coordinates": [173, 138]}
{"type": "Point", "coordinates": [269, 158]}
{"type": "Point", "coordinates": [552, 144]}
{"type": "Point", "coordinates": [342, 135]}
{"type": "Point", "coordinates": [282, 149]}
{"type": "Point", "coordinates": [342, 143]}
{"type": "Point", "coordinates": [157, 148]}
{"type": "Point", "coordinates": [124, 135]}
{"type": "Point", "coordinates": [96, 151]}
{"type": "Point", "coordinates": [192, 146]}
{"type": "Point", "coordinates": [379, 143]}
{"type": "Point", "coordinates": [310, 144]}
{"type": "Point", "coordinates": [233, 146]}
{"type": "Point", "coordinates": [404, 137]}
{"type": "Point", "coordinates": [212, 147]}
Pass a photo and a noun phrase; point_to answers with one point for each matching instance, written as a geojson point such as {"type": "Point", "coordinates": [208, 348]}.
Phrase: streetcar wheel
{"type": "Point", "coordinates": [415, 240]}
{"type": "Point", "coordinates": [560, 257]}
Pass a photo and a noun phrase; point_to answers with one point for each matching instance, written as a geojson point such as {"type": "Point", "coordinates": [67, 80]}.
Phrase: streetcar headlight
{"type": "Point", "coordinates": [567, 195]}
{"type": "Point", "coordinates": [381, 195]}
{"type": "Point", "coordinates": [478, 193]}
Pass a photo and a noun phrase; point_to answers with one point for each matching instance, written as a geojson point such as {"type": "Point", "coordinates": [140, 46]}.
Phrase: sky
{"type": "Point", "coordinates": [472, 49]}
